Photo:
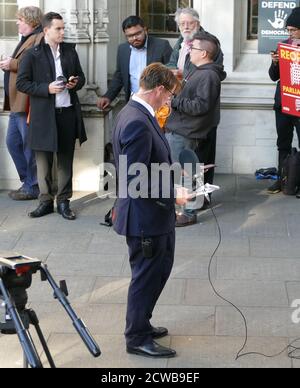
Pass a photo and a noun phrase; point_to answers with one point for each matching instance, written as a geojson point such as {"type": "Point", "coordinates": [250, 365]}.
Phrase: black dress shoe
{"type": "Point", "coordinates": [152, 350]}
{"type": "Point", "coordinates": [159, 332]}
{"type": "Point", "coordinates": [63, 209]}
{"type": "Point", "coordinates": [44, 209]}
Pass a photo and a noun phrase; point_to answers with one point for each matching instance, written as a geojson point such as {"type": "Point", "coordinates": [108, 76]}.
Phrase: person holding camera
{"type": "Point", "coordinates": [51, 75]}
{"type": "Point", "coordinates": [285, 124]}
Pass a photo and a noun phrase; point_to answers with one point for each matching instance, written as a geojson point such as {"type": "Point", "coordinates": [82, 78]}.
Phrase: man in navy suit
{"type": "Point", "coordinates": [148, 222]}
{"type": "Point", "coordinates": [133, 57]}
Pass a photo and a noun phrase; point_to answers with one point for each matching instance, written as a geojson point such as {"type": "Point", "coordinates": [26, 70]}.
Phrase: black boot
{"type": "Point", "coordinates": [63, 209]}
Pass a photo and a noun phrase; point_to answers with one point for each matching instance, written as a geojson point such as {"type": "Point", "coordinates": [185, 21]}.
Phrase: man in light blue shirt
{"type": "Point", "coordinates": [133, 57]}
{"type": "Point", "coordinates": [138, 62]}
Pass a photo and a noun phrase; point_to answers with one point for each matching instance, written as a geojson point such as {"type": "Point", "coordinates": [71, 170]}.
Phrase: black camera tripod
{"type": "Point", "coordinates": [13, 287]}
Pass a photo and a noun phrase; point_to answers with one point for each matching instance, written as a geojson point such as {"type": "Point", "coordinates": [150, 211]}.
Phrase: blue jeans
{"type": "Point", "coordinates": [180, 143]}
{"type": "Point", "coordinates": [22, 155]}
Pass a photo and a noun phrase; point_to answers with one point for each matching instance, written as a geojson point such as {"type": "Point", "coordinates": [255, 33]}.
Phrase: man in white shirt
{"type": "Point", "coordinates": [51, 75]}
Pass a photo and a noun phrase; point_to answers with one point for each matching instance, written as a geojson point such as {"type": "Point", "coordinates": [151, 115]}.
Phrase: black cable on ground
{"type": "Point", "coordinates": [293, 351]}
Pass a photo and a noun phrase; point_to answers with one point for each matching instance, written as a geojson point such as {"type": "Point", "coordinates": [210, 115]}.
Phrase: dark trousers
{"type": "Point", "coordinates": [285, 125]}
{"type": "Point", "coordinates": [149, 277]}
{"type": "Point", "coordinates": [22, 155]}
{"type": "Point", "coordinates": [206, 152]}
{"type": "Point", "coordinates": [66, 132]}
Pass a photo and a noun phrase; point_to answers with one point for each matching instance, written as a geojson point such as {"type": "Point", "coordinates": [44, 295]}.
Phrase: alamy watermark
{"type": "Point", "coordinates": [296, 314]}
{"type": "Point", "coordinates": [157, 181]}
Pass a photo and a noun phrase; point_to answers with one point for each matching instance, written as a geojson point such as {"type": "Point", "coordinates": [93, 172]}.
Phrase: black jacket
{"type": "Point", "coordinates": [158, 50]}
{"type": "Point", "coordinates": [37, 71]}
{"type": "Point", "coordinates": [274, 73]}
{"type": "Point", "coordinates": [196, 111]}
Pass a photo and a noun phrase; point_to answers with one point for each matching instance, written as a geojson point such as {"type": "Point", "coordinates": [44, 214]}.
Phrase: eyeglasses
{"type": "Point", "coordinates": [187, 24]}
{"type": "Point", "coordinates": [291, 30]}
{"type": "Point", "coordinates": [197, 49]}
{"type": "Point", "coordinates": [138, 34]}
{"type": "Point", "coordinates": [172, 93]}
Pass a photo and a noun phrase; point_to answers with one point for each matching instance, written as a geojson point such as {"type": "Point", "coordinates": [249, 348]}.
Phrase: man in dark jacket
{"type": "Point", "coordinates": [140, 51]}
{"type": "Point", "coordinates": [51, 75]}
{"type": "Point", "coordinates": [147, 222]}
{"type": "Point", "coordinates": [188, 21]}
{"type": "Point", "coordinates": [285, 124]}
{"type": "Point", "coordinates": [29, 25]}
{"type": "Point", "coordinates": [196, 111]}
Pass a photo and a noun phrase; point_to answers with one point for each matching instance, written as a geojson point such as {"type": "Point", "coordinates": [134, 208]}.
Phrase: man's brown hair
{"type": "Point", "coordinates": [156, 75]}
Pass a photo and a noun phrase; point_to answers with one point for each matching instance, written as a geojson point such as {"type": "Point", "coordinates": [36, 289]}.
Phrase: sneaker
{"type": "Point", "coordinates": [22, 196]}
{"type": "Point", "coordinates": [275, 188]}
{"type": "Point", "coordinates": [298, 194]}
{"type": "Point", "coordinates": [13, 192]}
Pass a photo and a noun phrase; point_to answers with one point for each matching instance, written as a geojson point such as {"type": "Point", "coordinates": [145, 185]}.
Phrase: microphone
{"type": "Point", "coordinates": [189, 157]}
{"type": "Point", "coordinates": [190, 163]}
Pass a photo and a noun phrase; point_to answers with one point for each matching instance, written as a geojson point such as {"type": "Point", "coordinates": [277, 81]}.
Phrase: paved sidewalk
{"type": "Point", "coordinates": [257, 268]}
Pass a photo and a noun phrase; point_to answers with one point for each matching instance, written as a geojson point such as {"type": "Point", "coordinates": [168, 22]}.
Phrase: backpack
{"type": "Point", "coordinates": [291, 173]}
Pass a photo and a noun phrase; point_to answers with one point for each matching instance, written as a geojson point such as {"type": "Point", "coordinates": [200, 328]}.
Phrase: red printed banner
{"type": "Point", "coordinates": [289, 58]}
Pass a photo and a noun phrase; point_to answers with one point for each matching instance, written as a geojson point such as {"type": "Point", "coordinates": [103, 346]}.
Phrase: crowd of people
{"type": "Point", "coordinates": [43, 75]}
{"type": "Point", "coordinates": [42, 78]}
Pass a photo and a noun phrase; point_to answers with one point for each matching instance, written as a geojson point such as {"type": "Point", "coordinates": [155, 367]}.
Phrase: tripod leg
{"type": "Point", "coordinates": [35, 322]}
{"type": "Point", "coordinates": [25, 362]}
{"type": "Point", "coordinates": [77, 323]}
{"type": "Point", "coordinates": [24, 338]}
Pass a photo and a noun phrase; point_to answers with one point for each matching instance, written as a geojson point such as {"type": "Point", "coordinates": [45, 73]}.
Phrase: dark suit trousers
{"type": "Point", "coordinates": [149, 277]}
{"type": "Point", "coordinates": [66, 128]}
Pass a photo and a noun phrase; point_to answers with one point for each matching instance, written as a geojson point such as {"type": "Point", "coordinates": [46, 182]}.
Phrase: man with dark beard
{"type": "Point", "coordinates": [133, 57]}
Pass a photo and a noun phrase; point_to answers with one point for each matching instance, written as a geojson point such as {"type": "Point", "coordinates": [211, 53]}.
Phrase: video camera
{"type": "Point", "coordinates": [16, 273]}
{"type": "Point", "coordinates": [15, 278]}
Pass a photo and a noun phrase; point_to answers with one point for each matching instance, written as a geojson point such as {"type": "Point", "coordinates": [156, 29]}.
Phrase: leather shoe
{"type": "Point", "coordinates": [183, 220]}
{"type": "Point", "coordinates": [64, 210]}
{"type": "Point", "coordinates": [44, 209]}
{"type": "Point", "coordinates": [152, 350]}
{"type": "Point", "coordinates": [159, 332]}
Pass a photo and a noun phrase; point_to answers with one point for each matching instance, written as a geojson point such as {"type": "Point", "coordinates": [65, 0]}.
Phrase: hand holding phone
{"type": "Point", "coordinates": [73, 79]}
{"type": "Point", "coordinates": [72, 82]}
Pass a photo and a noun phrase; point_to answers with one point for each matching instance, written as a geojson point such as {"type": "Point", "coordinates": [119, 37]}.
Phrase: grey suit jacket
{"type": "Point", "coordinates": [159, 50]}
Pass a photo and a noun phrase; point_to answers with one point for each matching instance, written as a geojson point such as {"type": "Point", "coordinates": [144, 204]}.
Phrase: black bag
{"type": "Point", "coordinates": [291, 173]}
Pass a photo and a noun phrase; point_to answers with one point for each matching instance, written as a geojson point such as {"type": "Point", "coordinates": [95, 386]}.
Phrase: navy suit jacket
{"type": "Point", "coordinates": [158, 50]}
{"type": "Point", "coordinates": [138, 136]}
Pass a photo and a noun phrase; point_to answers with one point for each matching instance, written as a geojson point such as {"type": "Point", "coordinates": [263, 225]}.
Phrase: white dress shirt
{"type": "Point", "coordinates": [144, 103]}
{"type": "Point", "coordinates": [63, 99]}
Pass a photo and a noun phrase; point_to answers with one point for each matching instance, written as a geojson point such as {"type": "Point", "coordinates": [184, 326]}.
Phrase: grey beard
{"type": "Point", "coordinates": [189, 37]}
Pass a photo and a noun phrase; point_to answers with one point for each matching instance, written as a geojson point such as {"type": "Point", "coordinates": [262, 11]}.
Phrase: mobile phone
{"type": "Point", "coordinates": [72, 79]}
